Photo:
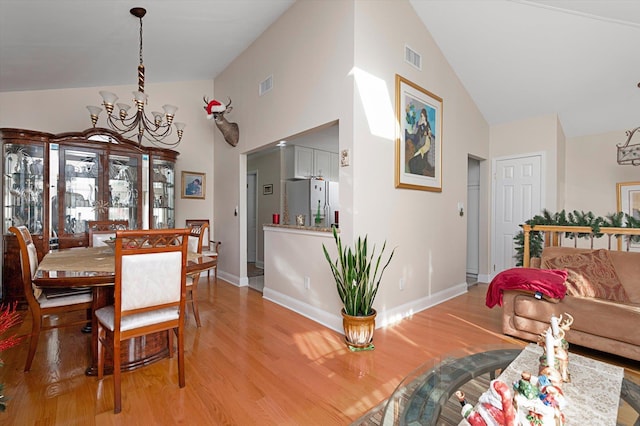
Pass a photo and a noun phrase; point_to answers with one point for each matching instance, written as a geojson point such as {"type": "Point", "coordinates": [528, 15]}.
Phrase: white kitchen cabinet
{"type": "Point", "coordinates": [302, 163]}
{"type": "Point", "coordinates": [321, 163]}
{"type": "Point", "coordinates": [299, 162]}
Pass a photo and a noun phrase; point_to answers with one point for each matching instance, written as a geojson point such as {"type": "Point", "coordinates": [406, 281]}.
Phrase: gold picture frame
{"type": "Point", "coordinates": [193, 185]}
{"type": "Point", "coordinates": [628, 201]}
{"type": "Point", "coordinates": [419, 138]}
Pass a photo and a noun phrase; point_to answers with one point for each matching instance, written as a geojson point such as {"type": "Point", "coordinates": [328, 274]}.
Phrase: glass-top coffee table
{"type": "Point", "coordinates": [426, 395]}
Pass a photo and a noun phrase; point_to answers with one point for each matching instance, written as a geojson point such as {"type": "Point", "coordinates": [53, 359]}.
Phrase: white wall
{"type": "Point", "coordinates": [58, 111]}
{"type": "Point", "coordinates": [315, 72]}
{"type": "Point", "coordinates": [593, 171]}
{"type": "Point", "coordinates": [310, 61]}
{"type": "Point", "coordinates": [537, 134]}
{"type": "Point", "coordinates": [424, 226]}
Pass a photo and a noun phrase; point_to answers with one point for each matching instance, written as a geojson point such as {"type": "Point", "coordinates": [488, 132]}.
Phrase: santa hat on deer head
{"type": "Point", "coordinates": [214, 106]}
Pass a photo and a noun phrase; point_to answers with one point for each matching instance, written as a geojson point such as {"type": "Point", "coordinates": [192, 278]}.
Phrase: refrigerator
{"type": "Point", "coordinates": [308, 196]}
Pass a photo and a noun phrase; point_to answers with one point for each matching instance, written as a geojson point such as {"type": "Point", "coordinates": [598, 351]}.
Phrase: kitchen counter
{"type": "Point", "coordinates": [297, 275]}
{"type": "Point", "coordinates": [300, 228]}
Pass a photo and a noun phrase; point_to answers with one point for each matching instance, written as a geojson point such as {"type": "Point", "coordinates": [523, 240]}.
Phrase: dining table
{"type": "Point", "coordinates": [94, 268]}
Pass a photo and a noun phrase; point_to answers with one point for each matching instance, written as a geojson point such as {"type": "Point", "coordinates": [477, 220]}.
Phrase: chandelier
{"type": "Point", "coordinates": [629, 154]}
{"type": "Point", "coordinates": [154, 130]}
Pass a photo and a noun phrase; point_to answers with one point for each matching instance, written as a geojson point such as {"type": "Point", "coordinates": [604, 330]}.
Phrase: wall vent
{"type": "Point", "coordinates": [413, 57]}
{"type": "Point", "coordinates": [266, 85]}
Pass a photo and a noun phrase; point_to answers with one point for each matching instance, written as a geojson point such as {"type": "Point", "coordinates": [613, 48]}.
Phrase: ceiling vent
{"type": "Point", "coordinates": [413, 57]}
{"type": "Point", "coordinates": [266, 85]}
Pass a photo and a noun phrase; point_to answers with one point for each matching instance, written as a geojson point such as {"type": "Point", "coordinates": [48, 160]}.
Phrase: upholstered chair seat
{"type": "Point", "coordinates": [53, 302]}
{"type": "Point", "coordinates": [106, 316]}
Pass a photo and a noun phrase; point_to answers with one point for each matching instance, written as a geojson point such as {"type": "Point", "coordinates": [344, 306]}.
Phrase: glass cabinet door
{"type": "Point", "coordinates": [79, 189]}
{"type": "Point", "coordinates": [163, 196]}
{"type": "Point", "coordinates": [123, 189]}
{"type": "Point", "coordinates": [24, 186]}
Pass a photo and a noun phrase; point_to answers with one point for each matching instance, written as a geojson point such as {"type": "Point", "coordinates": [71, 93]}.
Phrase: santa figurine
{"type": "Point", "coordinates": [495, 407]}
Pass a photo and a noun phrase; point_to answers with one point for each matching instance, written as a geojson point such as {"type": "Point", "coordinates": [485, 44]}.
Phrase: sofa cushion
{"type": "Point", "coordinates": [627, 266]}
{"type": "Point", "coordinates": [616, 321]}
{"type": "Point", "coordinates": [590, 274]}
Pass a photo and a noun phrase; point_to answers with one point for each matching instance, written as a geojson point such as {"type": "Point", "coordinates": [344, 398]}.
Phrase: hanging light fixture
{"type": "Point", "coordinates": [154, 130]}
{"type": "Point", "coordinates": [629, 154]}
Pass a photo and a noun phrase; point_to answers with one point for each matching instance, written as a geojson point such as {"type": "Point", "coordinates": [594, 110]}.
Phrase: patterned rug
{"type": "Point", "coordinates": [253, 270]}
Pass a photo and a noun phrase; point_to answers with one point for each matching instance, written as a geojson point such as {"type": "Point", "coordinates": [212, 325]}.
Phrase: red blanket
{"type": "Point", "coordinates": [548, 282]}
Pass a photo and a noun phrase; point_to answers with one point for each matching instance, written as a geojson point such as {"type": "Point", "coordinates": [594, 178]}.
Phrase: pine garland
{"type": "Point", "coordinates": [575, 218]}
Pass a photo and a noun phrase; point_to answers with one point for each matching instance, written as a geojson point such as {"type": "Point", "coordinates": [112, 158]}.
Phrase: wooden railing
{"type": "Point", "coordinates": [555, 234]}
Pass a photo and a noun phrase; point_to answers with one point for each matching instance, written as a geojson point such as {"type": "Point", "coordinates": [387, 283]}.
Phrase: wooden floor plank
{"type": "Point", "coordinates": [251, 362]}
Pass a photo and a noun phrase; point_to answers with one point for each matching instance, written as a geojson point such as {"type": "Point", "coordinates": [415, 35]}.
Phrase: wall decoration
{"type": "Point", "coordinates": [419, 139]}
{"type": "Point", "coordinates": [267, 189]}
{"type": "Point", "coordinates": [216, 111]}
{"type": "Point", "coordinates": [193, 185]}
{"type": "Point", "coordinates": [628, 197]}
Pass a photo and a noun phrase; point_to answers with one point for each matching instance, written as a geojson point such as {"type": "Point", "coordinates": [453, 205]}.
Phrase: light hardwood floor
{"type": "Point", "coordinates": [251, 363]}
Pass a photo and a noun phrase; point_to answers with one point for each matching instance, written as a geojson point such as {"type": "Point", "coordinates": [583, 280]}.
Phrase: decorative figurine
{"type": "Point", "coordinates": [556, 347]}
{"type": "Point", "coordinates": [495, 406]}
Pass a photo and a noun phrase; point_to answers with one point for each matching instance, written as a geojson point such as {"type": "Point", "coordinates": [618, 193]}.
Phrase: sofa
{"type": "Point", "coordinates": [602, 296]}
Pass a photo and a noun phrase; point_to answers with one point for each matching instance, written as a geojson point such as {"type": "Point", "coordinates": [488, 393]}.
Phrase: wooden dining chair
{"type": "Point", "coordinates": [196, 238]}
{"type": "Point", "coordinates": [210, 248]}
{"type": "Point", "coordinates": [149, 296]}
{"type": "Point", "coordinates": [42, 303]}
{"type": "Point", "coordinates": [102, 230]}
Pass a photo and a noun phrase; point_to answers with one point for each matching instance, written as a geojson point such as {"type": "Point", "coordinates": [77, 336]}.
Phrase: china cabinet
{"type": "Point", "coordinates": [55, 184]}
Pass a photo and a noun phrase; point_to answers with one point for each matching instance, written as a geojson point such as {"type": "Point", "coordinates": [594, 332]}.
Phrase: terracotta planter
{"type": "Point", "coordinates": [358, 331]}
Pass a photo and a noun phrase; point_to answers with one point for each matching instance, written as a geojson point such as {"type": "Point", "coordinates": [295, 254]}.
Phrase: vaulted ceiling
{"type": "Point", "coordinates": [518, 59]}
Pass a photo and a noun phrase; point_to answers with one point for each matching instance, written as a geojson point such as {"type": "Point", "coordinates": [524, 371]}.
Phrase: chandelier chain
{"type": "Point", "coordinates": [140, 41]}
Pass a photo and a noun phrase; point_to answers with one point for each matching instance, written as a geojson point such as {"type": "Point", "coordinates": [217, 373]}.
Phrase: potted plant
{"type": "Point", "coordinates": [357, 274]}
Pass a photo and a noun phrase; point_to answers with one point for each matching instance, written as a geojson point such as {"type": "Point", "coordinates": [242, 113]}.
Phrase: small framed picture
{"type": "Point", "coordinates": [267, 189]}
{"type": "Point", "coordinates": [193, 185]}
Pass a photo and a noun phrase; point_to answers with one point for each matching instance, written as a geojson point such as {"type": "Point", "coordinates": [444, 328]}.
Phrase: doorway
{"type": "Point", "coordinates": [473, 220]}
{"type": "Point", "coordinates": [517, 197]}
{"type": "Point", "coordinates": [252, 216]}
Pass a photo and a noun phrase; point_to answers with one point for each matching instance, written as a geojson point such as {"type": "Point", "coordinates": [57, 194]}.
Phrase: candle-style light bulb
{"type": "Point", "coordinates": [549, 347]}
{"type": "Point", "coordinates": [555, 326]}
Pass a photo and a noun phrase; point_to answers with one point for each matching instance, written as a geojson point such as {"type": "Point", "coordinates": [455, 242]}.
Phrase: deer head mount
{"type": "Point", "coordinates": [216, 111]}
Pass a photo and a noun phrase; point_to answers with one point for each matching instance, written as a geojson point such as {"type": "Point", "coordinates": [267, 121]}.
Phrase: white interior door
{"type": "Point", "coordinates": [252, 216]}
{"type": "Point", "coordinates": [517, 197]}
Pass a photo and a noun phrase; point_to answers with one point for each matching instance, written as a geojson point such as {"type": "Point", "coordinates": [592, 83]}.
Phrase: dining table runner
{"type": "Point", "coordinates": [97, 259]}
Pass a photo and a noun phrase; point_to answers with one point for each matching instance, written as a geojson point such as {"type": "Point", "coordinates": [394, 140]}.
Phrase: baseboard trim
{"type": "Point", "coordinates": [484, 278]}
{"type": "Point", "coordinates": [233, 279]}
{"type": "Point", "coordinates": [329, 320]}
{"type": "Point", "coordinates": [384, 318]}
